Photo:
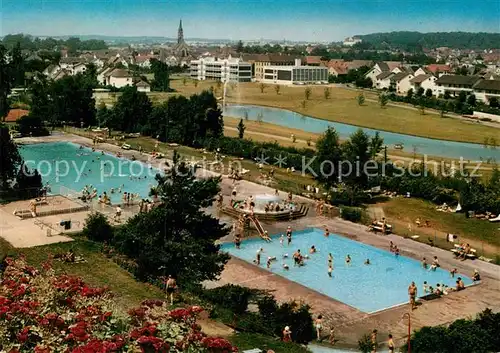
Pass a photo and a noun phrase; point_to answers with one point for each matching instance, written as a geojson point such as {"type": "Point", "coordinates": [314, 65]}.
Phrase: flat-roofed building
{"type": "Point", "coordinates": [230, 69]}
{"type": "Point", "coordinates": [295, 74]}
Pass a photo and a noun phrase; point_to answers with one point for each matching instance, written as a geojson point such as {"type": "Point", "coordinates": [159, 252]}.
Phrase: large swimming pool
{"type": "Point", "coordinates": [369, 288]}
{"type": "Point", "coordinates": [68, 167]}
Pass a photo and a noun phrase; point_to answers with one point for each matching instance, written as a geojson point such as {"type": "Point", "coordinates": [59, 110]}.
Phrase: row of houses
{"type": "Point", "coordinates": [437, 78]}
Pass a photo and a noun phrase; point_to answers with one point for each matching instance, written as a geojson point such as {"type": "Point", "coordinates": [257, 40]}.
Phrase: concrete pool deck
{"type": "Point", "coordinates": [350, 324]}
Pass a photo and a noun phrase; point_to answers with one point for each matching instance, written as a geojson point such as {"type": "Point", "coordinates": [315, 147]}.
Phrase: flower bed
{"type": "Point", "coordinates": [43, 312]}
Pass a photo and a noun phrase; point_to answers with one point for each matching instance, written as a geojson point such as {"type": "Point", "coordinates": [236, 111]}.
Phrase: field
{"type": "Point", "coordinates": [341, 107]}
{"type": "Point", "coordinates": [482, 235]}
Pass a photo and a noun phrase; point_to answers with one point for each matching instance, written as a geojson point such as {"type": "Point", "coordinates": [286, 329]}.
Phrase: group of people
{"type": "Point", "coordinates": [463, 250]}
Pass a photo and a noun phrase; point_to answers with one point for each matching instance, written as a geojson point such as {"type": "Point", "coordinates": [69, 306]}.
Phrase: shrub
{"type": "Point", "coordinates": [232, 297]}
{"type": "Point", "coordinates": [352, 214]}
{"type": "Point", "coordinates": [97, 228]}
{"type": "Point", "coordinates": [293, 314]}
{"type": "Point", "coordinates": [365, 344]}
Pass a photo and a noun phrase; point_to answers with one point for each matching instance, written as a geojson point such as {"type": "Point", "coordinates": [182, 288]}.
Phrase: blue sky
{"type": "Point", "coordinates": [321, 20]}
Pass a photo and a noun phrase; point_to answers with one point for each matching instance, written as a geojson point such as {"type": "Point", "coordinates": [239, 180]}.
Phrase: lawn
{"type": "Point", "coordinates": [343, 107]}
{"type": "Point", "coordinates": [482, 235]}
{"type": "Point", "coordinates": [98, 270]}
{"type": "Point", "coordinates": [249, 341]}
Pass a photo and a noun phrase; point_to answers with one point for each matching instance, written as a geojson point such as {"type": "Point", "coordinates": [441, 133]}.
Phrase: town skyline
{"type": "Point", "coordinates": [330, 20]}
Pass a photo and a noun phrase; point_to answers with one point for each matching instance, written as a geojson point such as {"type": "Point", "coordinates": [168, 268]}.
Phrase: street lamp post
{"type": "Point", "coordinates": [408, 316]}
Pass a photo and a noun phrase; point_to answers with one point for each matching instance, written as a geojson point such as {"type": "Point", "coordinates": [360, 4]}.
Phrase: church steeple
{"type": "Point", "coordinates": [180, 34]}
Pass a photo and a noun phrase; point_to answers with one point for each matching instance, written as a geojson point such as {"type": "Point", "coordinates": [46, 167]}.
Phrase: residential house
{"type": "Point", "coordinates": [426, 82]}
{"type": "Point", "coordinates": [401, 82]}
{"type": "Point", "coordinates": [356, 64]}
{"type": "Point", "coordinates": [376, 70]}
{"type": "Point", "coordinates": [119, 78]}
{"type": "Point", "coordinates": [422, 71]}
{"type": "Point", "coordinates": [172, 61]}
{"type": "Point", "coordinates": [484, 90]}
{"type": "Point", "coordinates": [61, 73]}
{"type": "Point", "coordinates": [79, 68]}
{"type": "Point", "coordinates": [143, 86]}
{"type": "Point", "coordinates": [15, 114]}
{"type": "Point", "coordinates": [69, 62]}
{"type": "Point", "coordinates": [383, 80]}
{"type": "Point", "coordinates": [118, 59]}
{"type": "Point", "coordinates": [102, 74]}
{"type": "Point", "coordinates": [51, 70]}
{"type": "Point", "coordinates": [454, 84]}
{"type": "Point", "coordinates": [144, 60]}
{"type": "Point", "coordinates": [337, 68]}
{"type": "Point", "coordinates": [313, 61]}
{"type": "Point", "coordinates": [439, 69]}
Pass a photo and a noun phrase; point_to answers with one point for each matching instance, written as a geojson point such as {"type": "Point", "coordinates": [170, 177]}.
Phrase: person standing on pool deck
{"type": "Point", "coordinates": [391, 345]}
{"type": "Point", "coordinates": [412, 292]}
{"type": "Point", "coordinates": [373, 339]}
{"type": "Point", "coordinates": [318, 326]}
{"type": "Point", "coordinates": [289, 235]}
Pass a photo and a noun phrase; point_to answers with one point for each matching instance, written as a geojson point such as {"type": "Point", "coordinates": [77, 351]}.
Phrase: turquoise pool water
{"type": "Point", "coordinates": [65, 166]}
{"type": "Point", "coordinates": [431, 147]}
{"type": "Point", "coordinates": [369, 288]}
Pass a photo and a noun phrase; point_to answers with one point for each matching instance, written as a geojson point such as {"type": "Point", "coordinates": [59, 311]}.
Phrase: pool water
{"type": "Point", "coordinates": [422, 145]}
{"type": "Point", "coordinates": [368, 288]}
{"type": "Point", "coordinates": [68, 168]}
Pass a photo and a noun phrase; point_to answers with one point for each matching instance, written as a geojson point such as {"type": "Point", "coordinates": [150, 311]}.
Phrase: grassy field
{"type": "Point", "coordinates": [483, 235]}
{"type": "Point", "coordinates": [341, 107]}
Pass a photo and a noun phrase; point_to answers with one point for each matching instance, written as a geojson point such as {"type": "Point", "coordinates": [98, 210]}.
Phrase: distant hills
{"type": "Point", "coordinates": [416, 40]}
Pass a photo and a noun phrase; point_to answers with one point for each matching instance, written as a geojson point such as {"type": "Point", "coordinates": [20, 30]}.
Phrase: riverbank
{"type": "Point", "coordinates": [342, 106]}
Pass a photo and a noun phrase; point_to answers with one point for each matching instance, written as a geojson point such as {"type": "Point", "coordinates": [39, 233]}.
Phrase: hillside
{"type": "Point", "coordinates": [416, 40]}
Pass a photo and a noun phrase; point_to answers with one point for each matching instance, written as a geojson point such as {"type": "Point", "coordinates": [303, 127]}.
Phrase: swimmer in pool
{"type": "Point", "coordinates": [312, 250]}
{"type": "Point", "coordinates": [348, 260]}
{"type": "Point", "coordinates": [367, 261]}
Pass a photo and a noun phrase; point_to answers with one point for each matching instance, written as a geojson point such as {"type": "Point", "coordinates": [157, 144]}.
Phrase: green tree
{"type": "Point", "coordinates": [97, 228]}
{"type": "Point", "coordinates": [241, 129]}
{"type": "Point", "coordinates": [307, 92]}
{"type": "Point", "coordinates": [382, 100]}
{"type": "Point", "coordinates": [421, 109]}
{"type": "Point", "coordinates": [184, 80]}
{"type": "Point", "coordinates": [239, 47]}
{"type": "Point", "coordinates": [462, 97]}
{"type": "Point", "coordinates": [260, 117]}
{"type": "Point", "coordinates": [493, 102]}
{"type": "Point", "coordinates": [420, 92]}
{"type": "Point", "coordinates": [328, 157]}
{"type": "Point", "coordinates": [104, 116]}
{"type": "Point", "coordinates": [17, 65]}
{"type": "Point", "coordinates": [177, 236]}
{"type": "Point", "coordinates": [327, 92]}
{"type": "Point", "coordinates": [428, 93]}
{"type": "Point", "coordinates": [71, 100]}
{"type": "Point", "coordinates": [471, 100]}
{"type": "Point", "coordinates": [10, 159]}
{"type": "Point", "coordinates": [409, 94]}
{"type": "Point", "coordinates": [161, 73]}
{"type": "Point", "coordinates": [447, 95]}
{"type": "Point", "coordinates": [277, 88]}
{"type": "Point", "coordinates": [195, 83]}
{"type": "Point", "coordinates": [262, 87]}
{"type": "Point", "coordinates": [218, 85]}
{"type": "Point", "coordinates": [41, 99]}
{"type": "Point", "coordinates": [132, 110]}
{"type": "Point", "coordinates": [5, 83]}
{"type": "Point", "coordinates": [31, 125]}
{"type": "Point", "coordinates": [361, 99]}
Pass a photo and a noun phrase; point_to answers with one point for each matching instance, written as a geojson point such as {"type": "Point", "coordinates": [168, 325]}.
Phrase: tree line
{"type": "Point", "coordinates": [416, 41]}
{"type": "Point", "coordinates": [72, 44]}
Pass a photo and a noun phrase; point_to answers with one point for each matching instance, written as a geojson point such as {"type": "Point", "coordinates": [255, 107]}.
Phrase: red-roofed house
{"type": "Point", "coordinates": [15, 114]}
{"type": "Point", "coordinates": [337, 68]}
{"type": "Point", "coordinates": [439, 68]}
{"type": "Point", "coordinates": [313, 60]}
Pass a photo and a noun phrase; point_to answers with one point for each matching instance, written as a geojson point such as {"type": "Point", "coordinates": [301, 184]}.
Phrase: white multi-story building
{"type": "Point", "coordinates": [295, 74]}
{"type": "Point", "coordinates": [230, 69]}
{"type": "Point", "coordinates": [350, 41]}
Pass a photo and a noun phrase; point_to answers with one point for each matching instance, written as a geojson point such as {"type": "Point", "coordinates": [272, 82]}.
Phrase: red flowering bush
{"type": "Point", "coordinates": [42, 312]}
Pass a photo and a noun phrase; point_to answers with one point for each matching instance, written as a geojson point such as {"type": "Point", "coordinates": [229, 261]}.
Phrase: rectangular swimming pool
{"type": "Point", "coordinates": [368, 288]}
{"type": "Point", "coordinates": [68, 165]}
